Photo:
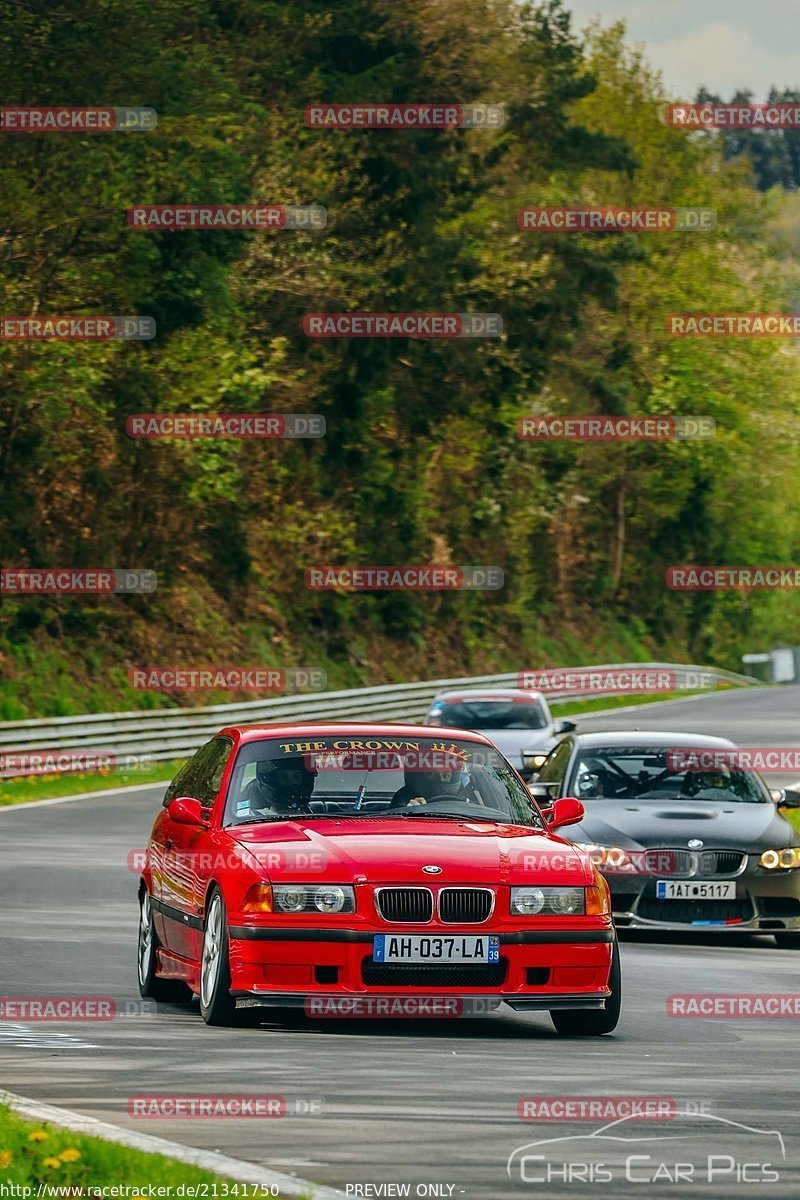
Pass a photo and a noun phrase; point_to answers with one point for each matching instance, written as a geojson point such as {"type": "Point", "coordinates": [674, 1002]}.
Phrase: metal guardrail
{"type": "Point", "coordinates": [174, 733]}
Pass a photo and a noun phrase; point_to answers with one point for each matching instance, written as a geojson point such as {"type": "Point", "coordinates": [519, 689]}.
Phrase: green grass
{"type": "Point", "coordinates": [792, 816]}
{"type": "Point", "coordinates": [33, 1154]}
{"type": "Point", "coordinates": [563, 708]}
{"type": "Point", "coordinates": [50, 787]}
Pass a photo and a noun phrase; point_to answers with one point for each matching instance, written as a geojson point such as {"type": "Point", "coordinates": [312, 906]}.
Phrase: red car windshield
{"type": "Point", "coordinates": [382, 776]}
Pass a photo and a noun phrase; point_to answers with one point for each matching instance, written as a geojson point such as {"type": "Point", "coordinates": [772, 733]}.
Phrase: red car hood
{"type": "Point", "coordinates": [394, 851]}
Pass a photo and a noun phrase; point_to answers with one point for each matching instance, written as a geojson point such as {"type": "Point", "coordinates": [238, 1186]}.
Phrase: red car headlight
{"type": "Point", "coordinates": [330, 898]}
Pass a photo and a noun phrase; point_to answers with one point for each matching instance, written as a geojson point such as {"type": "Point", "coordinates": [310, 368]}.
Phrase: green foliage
{"type": "Point", "coordinates": [421, 463]}
{"type": "Point", "coordinates": [36, 1155]}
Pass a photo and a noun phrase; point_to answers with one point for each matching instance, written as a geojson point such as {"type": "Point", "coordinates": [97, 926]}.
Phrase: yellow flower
{"type": "Point", "coordinates": [38, 1135]}
{"type": "Point", "coordinates": [70, 1154]}
{"type": "Point", "coordinates": [5, 1158]}
{"type": "Point", "coordinates": [52, 1162]}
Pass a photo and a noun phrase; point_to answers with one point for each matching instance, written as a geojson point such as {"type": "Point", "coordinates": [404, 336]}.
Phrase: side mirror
{"type": "Point", "coordinates": [185, 810]}
{"type": "Point", "coordinates": [565, 726]}
{"type": "Point", "coordinates": [786, 798]}
{"type": "Point", "coordinates": [565, 811]}
{"type": "Point", "coordinates": [542, 793]}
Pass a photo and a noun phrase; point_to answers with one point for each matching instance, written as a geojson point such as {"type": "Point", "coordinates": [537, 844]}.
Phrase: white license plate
{"type": "Point", "coordinates": [435, 948]}
{"type": "Point", "coordinates": [689, 890]}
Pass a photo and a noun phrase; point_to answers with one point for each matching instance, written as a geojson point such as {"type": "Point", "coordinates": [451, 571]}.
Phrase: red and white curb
{"type": "Point", "coordinates": [207, 1160]}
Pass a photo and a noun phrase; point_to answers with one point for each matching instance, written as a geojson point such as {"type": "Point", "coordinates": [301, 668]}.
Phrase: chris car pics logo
{"type": "Point", "coordinates": [692, 1149]}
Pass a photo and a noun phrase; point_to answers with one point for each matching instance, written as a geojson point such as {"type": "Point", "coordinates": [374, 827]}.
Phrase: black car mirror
{"type": "Point", "coordinates": [565, 726]}
{"type": "Point", "coordinates": [788, 799]}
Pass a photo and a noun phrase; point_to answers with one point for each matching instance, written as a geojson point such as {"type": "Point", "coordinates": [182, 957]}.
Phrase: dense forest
{"type": "Point", "coordinates": [421, 462]}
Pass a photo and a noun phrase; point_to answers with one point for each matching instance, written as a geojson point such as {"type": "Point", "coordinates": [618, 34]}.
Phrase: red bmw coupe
{"type": "Point", "coordinates": [294, 863]}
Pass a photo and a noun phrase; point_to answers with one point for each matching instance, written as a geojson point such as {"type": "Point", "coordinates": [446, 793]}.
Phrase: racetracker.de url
{"type": "Point", "coordinates": [106, 1191]}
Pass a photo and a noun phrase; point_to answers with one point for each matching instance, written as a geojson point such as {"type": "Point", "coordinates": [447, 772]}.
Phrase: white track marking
{"type": "Point", "coordinates": [40, 1038]}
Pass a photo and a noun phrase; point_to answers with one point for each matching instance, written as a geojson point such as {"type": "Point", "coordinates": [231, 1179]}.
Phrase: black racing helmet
{"type": "Point", "coordinates": [433, 783]}
{"type": "Point", "coordinates": [289, 781]}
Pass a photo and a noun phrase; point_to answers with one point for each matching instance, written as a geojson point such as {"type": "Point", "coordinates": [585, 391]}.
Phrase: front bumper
{"type": "Point", "coordinates": [762, 904]}
{"type": "Point", "coordinates": [547, 968]}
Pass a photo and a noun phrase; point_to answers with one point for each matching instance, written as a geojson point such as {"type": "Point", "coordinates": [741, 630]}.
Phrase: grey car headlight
{"type": "Point", "coordinates": [547, 901]}
{"type": "Point", "coordinates": [787, 859]}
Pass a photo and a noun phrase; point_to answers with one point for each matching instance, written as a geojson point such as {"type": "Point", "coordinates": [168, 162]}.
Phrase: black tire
{"type": "Point", "coordinates": [787, 941]}
{"type": "Point", "coordinates": [216, 1002]}
{"type": "Point", "coordinates": [576, 1022]}
{"type": "Point", "coordinates": [163, 991]}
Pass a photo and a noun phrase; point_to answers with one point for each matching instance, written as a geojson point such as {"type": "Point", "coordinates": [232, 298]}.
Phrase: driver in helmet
{"type": "Point", "coordinates": [422, 786]}
{"type": "Point", "coordinates": [707, 781]}
{"type": "Point", "coordinates": [594, 778]}
{"type": "Point", "coordinates": [280, 786]}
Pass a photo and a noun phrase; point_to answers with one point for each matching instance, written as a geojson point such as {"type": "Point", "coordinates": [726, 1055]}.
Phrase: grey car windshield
{"type": "Point", "coordinates": [491, 714]}
{"type": "Point", "coordinates": [654, 773]}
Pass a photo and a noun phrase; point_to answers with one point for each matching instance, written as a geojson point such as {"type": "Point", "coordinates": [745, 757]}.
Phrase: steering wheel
{"type": "Point", "coordinates": [447, 796]}
{"type": "Point", "coordinates": [452, 807]}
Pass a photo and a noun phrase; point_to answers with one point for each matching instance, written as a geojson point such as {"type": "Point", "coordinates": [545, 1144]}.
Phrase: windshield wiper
{"type": "Point", "coordinates": [272, 819]}
{"type": "Point", "coordinates": [438, 816]}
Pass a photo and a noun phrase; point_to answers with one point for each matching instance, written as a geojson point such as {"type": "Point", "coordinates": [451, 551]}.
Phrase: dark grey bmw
{"type": "Point", "coordinates": [681, 847]}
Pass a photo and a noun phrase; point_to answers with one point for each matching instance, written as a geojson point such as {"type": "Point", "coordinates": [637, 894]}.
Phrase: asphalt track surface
{"type": "Point", "coordinates": [406, 1102]}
